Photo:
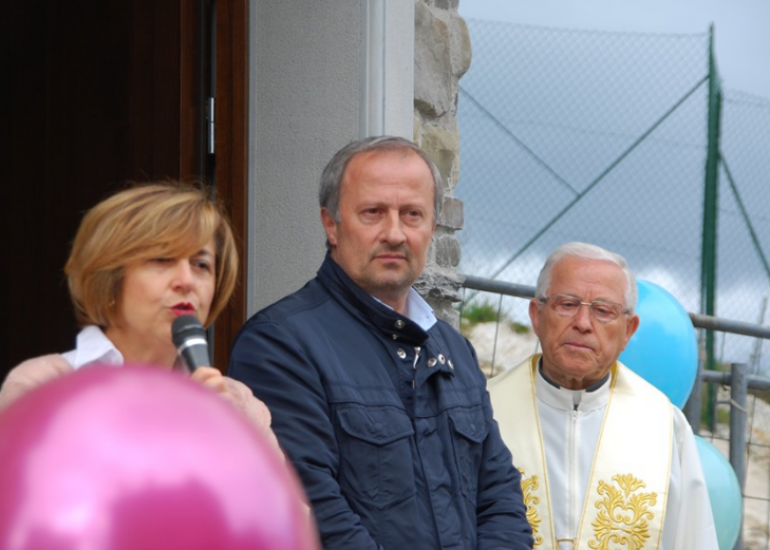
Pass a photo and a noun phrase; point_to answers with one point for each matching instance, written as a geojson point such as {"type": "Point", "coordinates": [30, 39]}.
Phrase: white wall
{"type": "Point", "coordinates": [311, 82]}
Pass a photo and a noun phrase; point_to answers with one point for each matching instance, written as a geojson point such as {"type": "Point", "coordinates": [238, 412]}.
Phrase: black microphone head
{"type": "Point", "coordinates": [184, 327]}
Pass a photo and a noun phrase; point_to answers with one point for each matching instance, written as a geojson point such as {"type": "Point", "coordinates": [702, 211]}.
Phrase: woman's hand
{"type": "Point", "coordinates": [240, 396]}
{"type": "Point", "coordinates": [255, 410]}
{"type": "Point", "coordinates": [30, 374]}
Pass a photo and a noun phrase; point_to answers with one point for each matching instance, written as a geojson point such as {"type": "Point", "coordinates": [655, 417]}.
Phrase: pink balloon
{"type": "Point", "coordinates": [141, 458]}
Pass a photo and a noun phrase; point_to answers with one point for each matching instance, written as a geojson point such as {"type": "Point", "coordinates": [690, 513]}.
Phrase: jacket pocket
{"type": "Point", "coordinates": [376, 464]}
{"type": "Point", "coordinates": [469, 431]}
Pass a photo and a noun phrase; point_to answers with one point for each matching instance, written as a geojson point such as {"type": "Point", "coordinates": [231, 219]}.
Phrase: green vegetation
{"type": "Point", "coordinates": [483, 312]}
{"type": "Point", "coordinates": [518, 328]}
{"type": "Point", "coordinates": [487, 312]}
{"type": "Point", "coordinates": [723, 415]}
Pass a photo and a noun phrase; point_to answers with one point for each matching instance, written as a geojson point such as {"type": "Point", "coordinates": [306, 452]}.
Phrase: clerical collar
{"type": "Point", "coordinates": [593, 387]}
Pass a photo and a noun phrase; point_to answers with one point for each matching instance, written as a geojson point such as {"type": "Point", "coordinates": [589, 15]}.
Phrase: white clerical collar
{"type": "Point", "coordinates": [417, 310]}
{"type": "Point", "coordinates": [92, 347]}
{"type": "Point", "coordinates": [570, 400]}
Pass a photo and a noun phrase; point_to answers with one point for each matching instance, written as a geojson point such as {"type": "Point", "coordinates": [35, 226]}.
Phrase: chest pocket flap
{"type": "Point", "coordinates": [470, 424]}
{"type": "Point", "coordinates": [376, 461]}
{"type": "Point", "coordinates": [375, 426]}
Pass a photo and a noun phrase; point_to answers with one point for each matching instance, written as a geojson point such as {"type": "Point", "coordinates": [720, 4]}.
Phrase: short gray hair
{"type": "Point", "coordinates": [588, 252]}
{"type": "Point", "coordinates": [331, 178]}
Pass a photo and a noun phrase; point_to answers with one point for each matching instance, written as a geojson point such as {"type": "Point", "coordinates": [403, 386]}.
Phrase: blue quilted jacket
{"type": "Point", "coordinates": [388, 426]}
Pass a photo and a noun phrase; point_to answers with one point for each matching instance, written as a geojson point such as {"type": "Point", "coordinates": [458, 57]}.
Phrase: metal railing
{"type": "Point", "coordinates": [737, 378]}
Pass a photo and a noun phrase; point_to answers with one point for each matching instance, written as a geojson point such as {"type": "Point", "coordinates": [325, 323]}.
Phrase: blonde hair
{"type": "Point", "coordinates": [158, 219]}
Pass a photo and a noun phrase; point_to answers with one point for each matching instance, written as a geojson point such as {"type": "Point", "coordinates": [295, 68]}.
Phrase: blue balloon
{"type": "Point", "coordinates": [724, 493]}
{"type": "Point", "coordinates": [664, 349]}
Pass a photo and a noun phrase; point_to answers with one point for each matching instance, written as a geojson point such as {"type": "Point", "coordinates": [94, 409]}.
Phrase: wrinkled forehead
{"type": "Point", "coordinates": [372, 171]}
{"type": "Point", "coordinates": [582, 277]}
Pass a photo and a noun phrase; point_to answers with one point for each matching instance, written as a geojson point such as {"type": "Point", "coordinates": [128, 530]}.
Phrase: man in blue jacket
{"type": "Point", "coordinates": [380, 406]}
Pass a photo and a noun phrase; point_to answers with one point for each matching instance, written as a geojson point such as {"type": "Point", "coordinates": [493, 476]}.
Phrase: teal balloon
{"type": "Point", "coordinates": [664, 349]}
{"type": "Point", "coordinates": [724, 493]}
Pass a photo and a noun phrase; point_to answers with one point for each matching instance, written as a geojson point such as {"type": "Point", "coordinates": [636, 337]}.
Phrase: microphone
{"type": "Point", "coordinates": [189, 337]}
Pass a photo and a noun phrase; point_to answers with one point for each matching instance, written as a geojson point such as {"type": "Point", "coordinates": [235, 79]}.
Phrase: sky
{"type": "Point", "coordinates": [742, 27]}
{"type": "Point", "coordinates": [577, 124]}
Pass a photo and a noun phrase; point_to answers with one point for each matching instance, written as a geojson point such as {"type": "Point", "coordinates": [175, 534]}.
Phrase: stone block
{"type": "Point", "coordinates": [447, 251]}
{"type": "Point", "coordinates": [434, 81]}
{"type": "Point", "coordinates": [442, 146]}
{"type": "Point", "coordinates": [447, 4]}
{"type": "Point", "coordinates": [461, 45]}
{"type": "Point", "coordinates": [452, 214]}
{"type": "Point", "coordinates": [441, 288]}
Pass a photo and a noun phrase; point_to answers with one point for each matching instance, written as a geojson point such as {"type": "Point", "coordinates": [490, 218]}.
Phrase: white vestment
{"type": "Point", "coordinates": [571, 425]}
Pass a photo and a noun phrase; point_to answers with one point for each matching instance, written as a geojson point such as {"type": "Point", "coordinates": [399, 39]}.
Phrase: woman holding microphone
{"type": "Point", "coordinates": [140, 259]}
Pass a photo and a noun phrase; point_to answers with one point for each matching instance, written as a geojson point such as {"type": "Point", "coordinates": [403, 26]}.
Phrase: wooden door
{"type": "Point", "coordinates": [99, 93]}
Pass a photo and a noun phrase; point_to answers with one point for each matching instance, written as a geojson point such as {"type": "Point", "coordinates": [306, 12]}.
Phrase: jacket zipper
{"type": "Point", "coordinates": [414, 365]}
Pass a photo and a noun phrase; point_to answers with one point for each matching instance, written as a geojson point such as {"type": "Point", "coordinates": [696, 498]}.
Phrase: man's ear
{"type": "Point", "coordinates": [330, 226]}
{"type": "Point", "coordinates": [631, 326]}
{"type": "Point", "coordinates": [534, 315]}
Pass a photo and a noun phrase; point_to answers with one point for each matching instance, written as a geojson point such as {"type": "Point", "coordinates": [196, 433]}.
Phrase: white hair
{"type": "Point", "coordinates": [588, 252]}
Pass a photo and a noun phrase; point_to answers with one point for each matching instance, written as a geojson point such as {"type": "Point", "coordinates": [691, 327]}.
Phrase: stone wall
{"type": "Point", "coordinates": [442, 56]}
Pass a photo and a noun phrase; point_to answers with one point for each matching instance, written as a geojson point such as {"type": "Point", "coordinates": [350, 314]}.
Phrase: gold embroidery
{"type": "Point", "coordinates": [528, 487]}
{"type": "Point", "coordinates": [624, 517]}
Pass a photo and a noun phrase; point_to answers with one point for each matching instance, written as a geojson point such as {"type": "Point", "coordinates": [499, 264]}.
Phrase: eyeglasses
{"type": "Point", "coordinates": [567, 306]}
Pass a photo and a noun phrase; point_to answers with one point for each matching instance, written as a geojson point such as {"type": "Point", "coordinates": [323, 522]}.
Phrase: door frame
{"type": "Point", "coordinates": [231, 157]}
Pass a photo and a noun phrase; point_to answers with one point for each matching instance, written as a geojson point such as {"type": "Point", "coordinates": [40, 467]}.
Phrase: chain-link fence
{"type": "Point", "coordinates": [604, 137]}
{"type": "Point", "coordinates": [743, 276]}
{"type": "Point", "coordinates": [627, 141]}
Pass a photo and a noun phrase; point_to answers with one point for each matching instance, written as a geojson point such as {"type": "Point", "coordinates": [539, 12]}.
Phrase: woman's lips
{"type": "Point", "coordinates": [183, 309]}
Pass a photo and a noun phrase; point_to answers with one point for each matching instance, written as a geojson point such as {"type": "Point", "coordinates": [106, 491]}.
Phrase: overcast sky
{"type": "Point", "coordinates": [574, 135]}
{"type": "Point", "coordinates": [742, 27]}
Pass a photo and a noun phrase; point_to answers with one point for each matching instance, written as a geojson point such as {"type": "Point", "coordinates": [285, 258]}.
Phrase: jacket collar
{"type": "Point", "coordinates": [362, 305]}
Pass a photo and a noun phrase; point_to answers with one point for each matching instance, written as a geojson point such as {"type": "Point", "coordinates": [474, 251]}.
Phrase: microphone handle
{"type": "Point", "coordinates": [195, 353]}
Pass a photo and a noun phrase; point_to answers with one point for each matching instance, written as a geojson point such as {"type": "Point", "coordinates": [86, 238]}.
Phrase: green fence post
{"type": "Point", "coordinates": [710, 202]}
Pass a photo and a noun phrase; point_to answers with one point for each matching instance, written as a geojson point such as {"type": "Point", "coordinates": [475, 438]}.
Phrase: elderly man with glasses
{"type": "Point", "coordinates": [606, 460]}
